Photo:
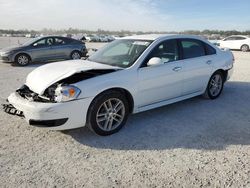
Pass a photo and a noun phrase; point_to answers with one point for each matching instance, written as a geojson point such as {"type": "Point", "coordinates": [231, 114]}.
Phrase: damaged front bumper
{"type": "Point", "coordinates": [55, 116]}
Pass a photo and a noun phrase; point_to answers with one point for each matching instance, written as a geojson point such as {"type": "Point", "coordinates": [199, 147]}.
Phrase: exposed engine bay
{"type": "Point", "coordinates": [49, 94]}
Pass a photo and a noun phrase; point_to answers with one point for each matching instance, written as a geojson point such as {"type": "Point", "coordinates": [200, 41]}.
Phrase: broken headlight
{"type": "Point", "coordinates": [66, 93]}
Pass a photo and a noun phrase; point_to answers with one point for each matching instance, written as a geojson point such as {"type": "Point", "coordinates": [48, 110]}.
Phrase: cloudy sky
{"type": "Point", "coordinates": [143, 15]}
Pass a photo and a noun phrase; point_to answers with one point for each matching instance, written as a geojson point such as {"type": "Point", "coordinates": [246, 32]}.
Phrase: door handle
{"type": "Point", "coordinates": [209, 62]}
{"type": "Point", "coordinates": [176, 69]}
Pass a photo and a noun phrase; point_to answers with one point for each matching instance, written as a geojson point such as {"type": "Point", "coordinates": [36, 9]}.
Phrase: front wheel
{"type": "Point", "coordinates": [215, 86]}
{"type": "Point", "coordinates": [108, 113]}
{"type": "Point", "coordinates": [22, 60]}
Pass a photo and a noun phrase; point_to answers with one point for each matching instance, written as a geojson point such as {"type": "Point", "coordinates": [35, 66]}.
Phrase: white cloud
{"type": "Point", "coordinates": [85, 14]}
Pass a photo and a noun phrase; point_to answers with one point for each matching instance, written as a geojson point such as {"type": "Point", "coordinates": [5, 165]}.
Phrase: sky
{"type": "Point", "coordinates": [134, 15]}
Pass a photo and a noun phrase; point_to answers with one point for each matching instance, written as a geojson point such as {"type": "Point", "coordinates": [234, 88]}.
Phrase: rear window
{"type": "Point", "coordinates": [192, 48]}
{"type": "Point", "coordinates": [210, 50]}
{"type": "Point", "coordinates": [59, 41]}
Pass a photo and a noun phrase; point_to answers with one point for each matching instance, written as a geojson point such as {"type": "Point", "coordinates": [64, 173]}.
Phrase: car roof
{"type": "Point", "coordinates": [57, 36]}
{"type": "Point", "coordinates": [238, 36]}
{"type": "Point", "coordinates": [160, 36]}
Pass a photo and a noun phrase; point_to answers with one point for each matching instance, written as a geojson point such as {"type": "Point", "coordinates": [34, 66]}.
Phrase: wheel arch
{"type": "Point", "coordinates": [244, 45]}
{"type": "Point", "coordinates": [24, 53]}
{"type": "Point", "coordinates": [223, 72]}
{"type": "Point", "coordinates": [125, 92]}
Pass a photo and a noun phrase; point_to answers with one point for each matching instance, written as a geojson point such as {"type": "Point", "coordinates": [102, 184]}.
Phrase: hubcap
{"type": "Point", "coordinates": [110, 114]}
{"type": "Point", "coordinates": [215, 85]}
{"type": "Point", "coordinates": [76, 55]}
{"type": "Point", "coordinates": [23, 60]}
{"type": "Point", "coordinates": [244, 48]}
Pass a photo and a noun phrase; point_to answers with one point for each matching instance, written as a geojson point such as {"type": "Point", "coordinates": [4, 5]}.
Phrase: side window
{"type": "Point", "coordinates": [59, 41]}
{"type": "Point", "coordinates": [240, 38]}
{"type": "Point", "coordinates": [229, 38]}
{"type": "Point", "coordinates": [167, 51]}
{"type": "Point", "coordinates": [50, 41]}
{"type": "Point", "coordinates": [209, 49]}
{"type": "Point", "coordinates": [40, 43]}
{"type": "Point", "coordinates": [192, 48]}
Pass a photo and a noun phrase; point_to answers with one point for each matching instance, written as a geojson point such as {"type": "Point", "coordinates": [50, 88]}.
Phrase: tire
{"type": "Point", "coordinates": [22, 60]}
{"type": "Point", "coordinates": [108, 113]}
{"type": "Point", "coordinates": [244, 48]}
{"type": "Point", "coordinates": [215, 86]}
{"type": "Point", "coordinates": [75, 55]}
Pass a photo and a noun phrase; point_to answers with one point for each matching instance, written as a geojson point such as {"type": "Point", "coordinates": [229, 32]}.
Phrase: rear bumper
{"type": "Point", "coordinates": [54, 116]}
{"type": "Point", "coordinates": [230, 73]}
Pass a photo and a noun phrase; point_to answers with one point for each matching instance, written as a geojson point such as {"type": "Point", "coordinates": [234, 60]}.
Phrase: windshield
{"type": "Point", "coordinates": [121, 53]}
{"type": "Point", "coordinates": [29, 42]}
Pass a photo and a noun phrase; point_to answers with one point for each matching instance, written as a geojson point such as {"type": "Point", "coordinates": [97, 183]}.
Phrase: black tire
{"type": "Point", "coordinates": [208, 93]}
{"type": "Point", "coordinates": [76, 54]}
{"type": "Point", "coordinates": [22, 60]}
{"type": "Point", "coordinates": [95, 107]}
{"type": "Point", "coordinates": [244, 48]}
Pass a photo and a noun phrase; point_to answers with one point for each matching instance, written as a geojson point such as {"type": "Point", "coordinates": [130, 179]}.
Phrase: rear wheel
{"type": "Point", "coordinates": [22, 60]}
{"type": "Point", "coordinates": [75, 55]}
{"type": "Point", "coordinates": [215, 86]}
{"type": "Point", "coordinates": [244, 48]}
{"type": "Point", "coordinates": [108, 113]}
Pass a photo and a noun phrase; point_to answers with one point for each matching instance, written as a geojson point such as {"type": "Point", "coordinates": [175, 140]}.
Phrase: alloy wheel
{"type": "Point", "coordinates": [215, 85]}
{"type": "Point", "coordinates": [76, 55]}
{"type": "Point", "coordinates": [23, 60]}
{"type": "Point", "coordinates": [110, 114]}
{"type": "Point", "coordinates": [244, 48]}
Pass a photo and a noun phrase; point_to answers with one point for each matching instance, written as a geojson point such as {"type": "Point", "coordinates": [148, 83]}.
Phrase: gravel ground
{"type": "Point", "coordinates": [194, 143]}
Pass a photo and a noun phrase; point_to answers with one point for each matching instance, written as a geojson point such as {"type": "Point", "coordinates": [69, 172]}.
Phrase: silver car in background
{"type": "Point", "coordinates": [44, 49]}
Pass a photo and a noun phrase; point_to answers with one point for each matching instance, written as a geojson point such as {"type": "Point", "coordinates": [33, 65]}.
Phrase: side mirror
{"type": "Point", "coordinates": [154, 62]}
{"type": "Point", "coordinates": [35, 44]}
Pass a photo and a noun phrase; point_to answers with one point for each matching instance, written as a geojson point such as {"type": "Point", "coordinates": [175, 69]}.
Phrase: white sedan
{"type": "Point", "coordinates": [129, 75]}
{"type": "Point", "coordinates": [236, 42]}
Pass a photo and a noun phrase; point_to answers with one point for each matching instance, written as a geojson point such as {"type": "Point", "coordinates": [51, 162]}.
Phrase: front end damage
{"type": "Point", "coordinates": [58, 107]}
{"type": "Point", "coordinates": [52, 93]}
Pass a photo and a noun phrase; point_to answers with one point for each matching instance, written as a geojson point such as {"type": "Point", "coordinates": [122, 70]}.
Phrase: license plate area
{"type": "Point", "coordinates": [10, 109]}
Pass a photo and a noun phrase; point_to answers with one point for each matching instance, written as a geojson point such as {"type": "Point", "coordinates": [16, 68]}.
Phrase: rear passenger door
{"type": "Point", "coordinates": [229, 43]}
{"type": "Point", "coordinates": [239, 41]}
{"type": "Point", "coordinates": [198, 60]}
{"type": "Point", "coordinates": [61, 48]}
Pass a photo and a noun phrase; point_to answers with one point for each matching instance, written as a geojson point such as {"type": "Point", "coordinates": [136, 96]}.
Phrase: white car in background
{"type": "Point", "coordinates": [237, 42]}
{"type": "Point", "coordinates": [130, 75]}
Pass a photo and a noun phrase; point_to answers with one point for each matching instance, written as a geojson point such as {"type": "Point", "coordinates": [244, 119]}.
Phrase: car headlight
{"type": "Point", "coordinates": [5, 53]}
{"type": "Point", "coordinates": [66, 93]}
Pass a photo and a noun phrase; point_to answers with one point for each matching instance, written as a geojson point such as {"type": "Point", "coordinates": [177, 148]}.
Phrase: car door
{"type": "Point", "coordinates": [42, 49]}
{"type": "Point", "coordinates": [229, 43]}
{"type": "Point", "coordinates": [61, 48]}
{"type": "Point", "coordinates": [161, 82]}
{"type": "Point", "coordinates": [239, 41]}
{"type": "Point", "coordinates": [198, 58]}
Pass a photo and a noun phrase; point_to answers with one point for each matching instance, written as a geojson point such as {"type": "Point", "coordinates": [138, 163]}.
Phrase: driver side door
{"type": "Point", "coordinates": [162, 82]}
{"type": "Point", "coordinates": [42, 49]}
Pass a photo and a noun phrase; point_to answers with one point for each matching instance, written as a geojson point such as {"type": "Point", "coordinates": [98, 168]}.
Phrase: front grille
{"type": "Point", "coordinates": [26, 93]}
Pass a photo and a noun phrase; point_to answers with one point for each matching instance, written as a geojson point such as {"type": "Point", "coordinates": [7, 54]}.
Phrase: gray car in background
{"type": "Point", "coordinates": [44, 49]}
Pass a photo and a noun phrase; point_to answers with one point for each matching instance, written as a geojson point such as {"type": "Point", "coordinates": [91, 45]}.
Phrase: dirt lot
{"type": "Point", "coordinates": [194, 143]}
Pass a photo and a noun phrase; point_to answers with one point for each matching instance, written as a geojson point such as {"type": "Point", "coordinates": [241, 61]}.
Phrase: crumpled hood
{"type": "Point", "coordinates": [43, 77]}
